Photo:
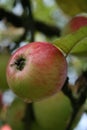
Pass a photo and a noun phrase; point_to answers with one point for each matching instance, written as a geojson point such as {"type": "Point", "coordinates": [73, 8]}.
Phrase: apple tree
{"type": "Point", "coordinates": [43, 64]}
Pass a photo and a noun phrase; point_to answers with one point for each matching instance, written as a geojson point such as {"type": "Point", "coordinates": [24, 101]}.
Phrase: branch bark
{"type": "Point", "coordinates": [80, 98]}
{"type": "Point", "coordinates": [18, 21]}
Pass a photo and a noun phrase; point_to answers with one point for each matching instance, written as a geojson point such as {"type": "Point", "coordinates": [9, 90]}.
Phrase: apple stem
{"type": "Point", "coordinates": [68, 91]}
{"type": "Point", "coordinates": [19, 63]}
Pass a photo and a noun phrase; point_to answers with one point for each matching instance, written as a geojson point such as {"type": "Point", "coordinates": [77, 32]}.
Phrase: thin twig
{"type": "Point", "coordinates": [78, 101]}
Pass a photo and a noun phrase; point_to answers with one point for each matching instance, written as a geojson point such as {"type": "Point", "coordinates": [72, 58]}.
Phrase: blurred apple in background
{"type": "Point", "coordinates": [4, 57]}
{"type": "Point", "coordinates": [15, 114]}
{"type": "Point", "coordinates": [5, 127]}
{"type": "Point", "coordinates": [75, 23]}
{"type": "Point", "coordinates": [53, 113]}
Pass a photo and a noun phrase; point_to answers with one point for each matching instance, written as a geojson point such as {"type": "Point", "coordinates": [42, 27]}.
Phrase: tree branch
{"type": "Point", "coordinates": [10, 17]}
{"type": "Point", "coordinates": [29, 116]}
{"type": "Point", "coordinates": [28, 18]}
{"type": "Point", "coordinates": [18, 21]}
{"type": "Point", "coordinates": [68, 92]}
{"type": "Point", "coordinates": [79, 100]}
{"type": "Point", "coordinates": [46, 29]}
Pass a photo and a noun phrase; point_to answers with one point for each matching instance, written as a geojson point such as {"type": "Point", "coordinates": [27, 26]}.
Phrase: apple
{"type": "Point", "coordinates": [36, 71]}
{"type": "Point", "coordinates": [4, 57]}
{"type": "Point", "coordinates": [75, 23]}
{"type": "Point", "coordinates": [15, 114]}
{"type": "Point", "coordinates": [54, 112]}
{"type": "Point", "coordinates": [6, 127]}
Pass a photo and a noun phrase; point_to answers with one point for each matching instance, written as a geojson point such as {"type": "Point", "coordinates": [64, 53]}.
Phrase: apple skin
{"type": "Point", "coordinates": [53, 113]}
{"type": "Point", "coordinates": [75, 23]}
{"type": "Point", "coordinates": [4, 57]}
{"type": "Point", "coordinates": [36, 71]}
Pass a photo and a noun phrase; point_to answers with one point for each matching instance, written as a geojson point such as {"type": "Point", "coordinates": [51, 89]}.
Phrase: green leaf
{"type": "Point", "coordinates": [74, 43]}
{"type": "Point", "coordinates": [80, 48]}
{"type": "Point", "coordinates": [43, 12]}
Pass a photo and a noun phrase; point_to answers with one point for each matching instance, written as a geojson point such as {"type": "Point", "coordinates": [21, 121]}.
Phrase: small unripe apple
{"type": "Point", "coordinates": [54, 112]}
{"type": "Point", "coordinates": [36, 70]}
{"type": "Point", "coordinates": [75, 23]}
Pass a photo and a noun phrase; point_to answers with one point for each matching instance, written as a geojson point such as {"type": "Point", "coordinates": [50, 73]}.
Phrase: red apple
{"type": "Point", "coordinates": [5, 127]}
{"type": "Point", "coordinates": [36, 70]}
{"type": "Point", "coordinates": [76, 23]}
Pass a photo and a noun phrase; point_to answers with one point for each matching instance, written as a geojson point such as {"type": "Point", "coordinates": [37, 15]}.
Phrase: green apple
{"type": "Point", "coordinates": [36, 71]}
{"type": "Point", "coordinates": [15, 114]}
{"type": "Point", "coordinates": [53, 113]}
{"type": "Point", "coordinates": [4, 57]}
